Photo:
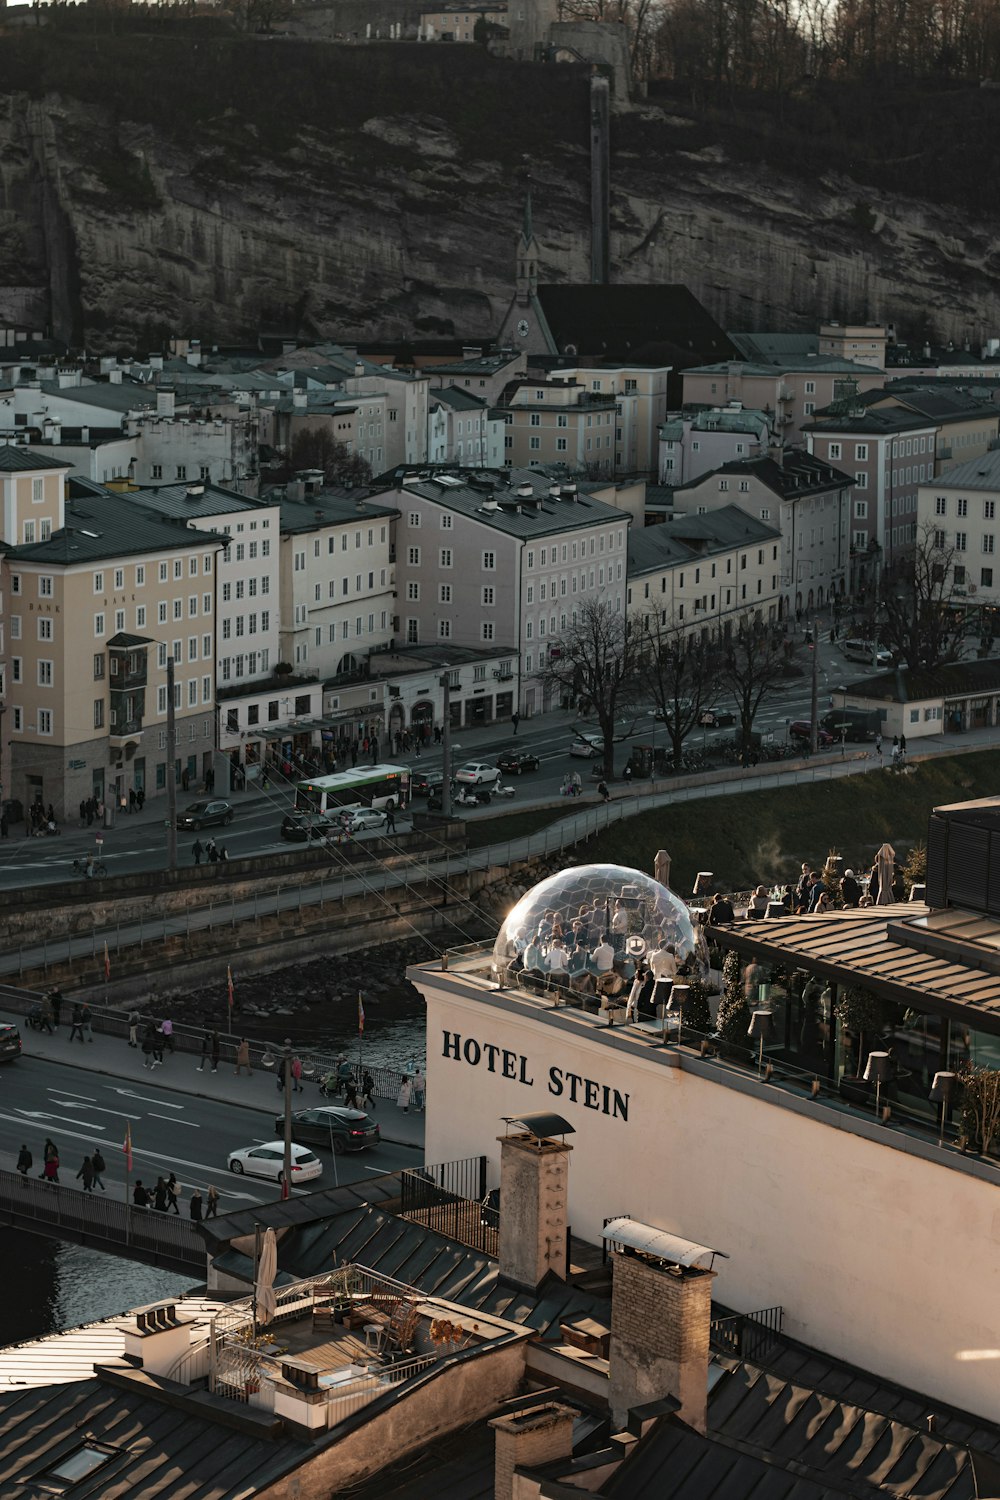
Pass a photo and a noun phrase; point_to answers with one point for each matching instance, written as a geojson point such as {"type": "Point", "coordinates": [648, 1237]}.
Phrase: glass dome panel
{"type": "Point", "coordinates": [583, 904]}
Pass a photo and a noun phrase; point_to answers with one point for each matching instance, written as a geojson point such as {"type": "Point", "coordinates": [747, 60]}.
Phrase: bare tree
{"type": "Point", "coordinates": [920, 619]}
{"type": "Point", "coordinates": [680, 674]}
{"type": "Point", "coordinates": [597, 661]}
{"type": "Point", "coordinates": [751, 666]}
{"type": "Point", "coordinates": [317, 448]}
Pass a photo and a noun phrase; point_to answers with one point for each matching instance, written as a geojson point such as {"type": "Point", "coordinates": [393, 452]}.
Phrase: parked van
{"type": "Point", "coordinates": [864, 651]}
{"type": "Point", "coordinates": [857, 724]}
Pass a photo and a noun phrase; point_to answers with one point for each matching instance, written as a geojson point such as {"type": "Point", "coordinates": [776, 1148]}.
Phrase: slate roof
{"type": "Point", "coordinates": [775, 348]}
{"type": "Point", "coordinates": [121, 398]}
{"type": "Point", "coordinates": [691, 538]}
{"type": "Point", "coordinates": [528, 521]}
{"type": "Point", "coordinates": [830, 364]}
{"type": "Point", "coordinates": [879, 421]}
{"type": "Point", "coordinates": [324, 509]}
{"type": "Point", "coordinates": [176, 501]}
{"type": "Point", "coordinates": [905, 685]}
{"type": "Point", "coordinates": [15, 460]}
{"type": "Point", "coordinates": [981, 473]}
{"type": "Point", "coordinates": [103, 526]}
{"type": "Point", "coordinates": [799, 473]}
{"type": "Point", "coordinates": [663, 324]}
{"type": "Point", "coordinates": [166, 1452]}
{"type": "Point", "coordinates": [461, 400]}
{"type": "Point", "coordinates": [949, 404]}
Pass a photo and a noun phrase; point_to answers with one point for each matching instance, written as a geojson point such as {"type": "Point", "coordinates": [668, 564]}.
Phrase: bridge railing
{"type": "Point", "coordinates": [96, 1217]}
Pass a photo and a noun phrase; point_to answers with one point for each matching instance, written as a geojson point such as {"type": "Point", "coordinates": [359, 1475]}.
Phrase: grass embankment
{"type": "Point", "coordinates": [766, 835]}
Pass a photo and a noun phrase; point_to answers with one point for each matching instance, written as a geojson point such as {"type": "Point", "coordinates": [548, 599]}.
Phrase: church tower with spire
{"type": "Point", "coordinates": [527, 259]}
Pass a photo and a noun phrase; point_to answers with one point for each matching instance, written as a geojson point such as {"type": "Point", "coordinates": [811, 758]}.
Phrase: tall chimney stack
{"type": "Point", "coordinates": [534, 1192]}
{"type": "Point", "coordinates": [661, 1313]}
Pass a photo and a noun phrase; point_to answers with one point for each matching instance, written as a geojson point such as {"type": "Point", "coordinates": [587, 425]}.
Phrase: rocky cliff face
{"type": "Point", "coordinates": [403, 223]}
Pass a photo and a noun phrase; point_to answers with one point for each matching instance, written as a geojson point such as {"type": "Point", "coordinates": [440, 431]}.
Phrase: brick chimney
{"type": "Point", "coordinates": [660, 1319]}
{"type": "Point", "coordinates": [525, 1439]}
{"type": "Point", "coordinates": [534, 1188]}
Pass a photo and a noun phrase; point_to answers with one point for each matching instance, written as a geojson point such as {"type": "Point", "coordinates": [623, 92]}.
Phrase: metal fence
{"type": "Point", "coordinates": [418, 870]}
{"type": "Point", "coordinates": [95, 1219]}
{"type": "Point", "coordinates": [317, 1064]}
{"type": "Point", "coordinates": [450, 1199]}
{"type": "Point", "coordinates": [747, 1335]}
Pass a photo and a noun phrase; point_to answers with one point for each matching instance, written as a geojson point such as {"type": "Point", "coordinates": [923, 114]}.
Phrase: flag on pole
{"type": "Point", "coordinates": [107, 963]}
{"type": "Point", "coordinates": [361, 1013]}
{"type": "Point", "coordinates": [229, 988]}
{"type": "Point", "coordinates": [127, 1147]}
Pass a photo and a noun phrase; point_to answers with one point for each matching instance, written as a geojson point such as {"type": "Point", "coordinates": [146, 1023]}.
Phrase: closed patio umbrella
{"type": "Point", "coordinates": [267, 1266]}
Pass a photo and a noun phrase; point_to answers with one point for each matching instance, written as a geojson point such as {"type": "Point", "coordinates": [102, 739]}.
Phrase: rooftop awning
{"type": "Point", "coordinates": [658, 1242]}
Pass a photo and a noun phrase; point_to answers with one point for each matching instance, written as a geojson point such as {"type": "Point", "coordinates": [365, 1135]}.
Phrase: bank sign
{"type": "Point", "coordinates": [560, 1082]}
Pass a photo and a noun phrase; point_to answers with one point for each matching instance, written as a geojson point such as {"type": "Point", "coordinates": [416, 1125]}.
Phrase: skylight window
{"type": "Point", "coordinates": [80, 1464]}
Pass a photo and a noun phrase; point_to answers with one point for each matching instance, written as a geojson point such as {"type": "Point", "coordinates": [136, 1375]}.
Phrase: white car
{"type": "Point", "coordinates": [269, 1161]}
{"type": "Point", "coordinates": [587, 748]}
{"type": "Point", "coordinates": [478, 773]}
{"type": "Point", "coordinates": [365, 817]}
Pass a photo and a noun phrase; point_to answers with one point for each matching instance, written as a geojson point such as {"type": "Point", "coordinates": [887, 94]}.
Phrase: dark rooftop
{"type": "Point", "coordinates": [916, 685]}
{"type": "Point", "coordinates": [663, 324]}
{"type": "Point", "coordinates": [196, 498]}
{"type": "Point", "coordinates": [103, 526]}
{"type": "Point", "coordinates": [490, 496]}
{"type": "Point", "coordinates": [17, 460]}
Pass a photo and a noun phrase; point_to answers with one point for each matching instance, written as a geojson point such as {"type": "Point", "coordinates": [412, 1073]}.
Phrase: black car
{"type": "Point", "coordinates": [10, 1043]}
{"type": "Point", "coordinates": [514, 762]}
{"type": "Point", "coordinates": [346, 1129]}
{"type": "Point", "coordinates": [422, 783]}
{"type": "Point", "coordinates": [203, 814]}
{"type": "Point", "coordinates": [301, 827]}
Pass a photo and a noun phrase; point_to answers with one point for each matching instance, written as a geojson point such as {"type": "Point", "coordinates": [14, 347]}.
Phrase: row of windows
{"type": "Point", "coordinates": [180, 694]}
{"type": "Point", "coordinates": [487, 594]}
{"type": "Point", "coordinates": [487, 630]}
{"type": "Point", "coordinates": [117, 575]}
{"type": "Point", "coordinates": [247, 584]}
{"type": "Point", "coordinates": [246, 624]}
{"type": "Point", "coordinates": [961, 576]}
{"type": "Point", "coordinates": [446, 558]}
{"type": "Point", "coordinates": [164, 612]}
{"type": "Point", "coordinates": [962, 541]}
{"type": "Point", "coordinates": [567, 551]}
{"type": "Point", "coordinates": [446, 519]}
{"type": "Point", "coordinates": [253, 662]}
{"type": "Point", "coordinates": [962, 507]}
{"type": "Point", "coordinates": [245, 550]}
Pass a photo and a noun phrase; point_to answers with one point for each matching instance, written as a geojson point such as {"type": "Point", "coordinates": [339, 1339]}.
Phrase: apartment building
{"type": "Point", "coordinates": [504, 558]}
{"type": "Point", "coordinates": [888, 452]}
{"type": "Point", "coordinates": [336, 582]}
{"type": "Point", "coordinates": [861, 343]}
{"type": "Point", "coordinates": [247, 602]}
{"type": "Point", "coordinates": [959, 509]}
{"type": "Point", "coordinates": [640, 394]}
{"type": "Point", "coordinates": [968, 424]}
{"type": "Point", "coordinates": [692, 443]}
{"type": "Point", "coordinates": [703, 573]}
{"type": "Point", "coordinates": [791, 393]}
{"type": "Point", "coordinates": [198, 445]}
{"type": "Point", "coordinates": [462, 429]}
{"type": "Point", "coordinates": [808, 501]}
{"type": "Point", "coordinates": [560, 421]}
{"type": "Point", "coordinates": [92, 613]}
{"type": "Point", "coordinates": [75, 402]}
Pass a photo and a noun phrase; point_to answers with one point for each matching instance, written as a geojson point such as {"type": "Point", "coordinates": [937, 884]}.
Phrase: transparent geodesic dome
{"type": "Point", "coordinates": [588, 901]}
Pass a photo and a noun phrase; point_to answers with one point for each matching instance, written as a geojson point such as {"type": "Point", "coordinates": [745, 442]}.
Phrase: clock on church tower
{"type": "Point", "coordinates": [523, 328]}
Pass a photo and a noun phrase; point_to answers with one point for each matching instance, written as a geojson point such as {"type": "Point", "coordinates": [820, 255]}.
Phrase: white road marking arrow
{"type": "Point", "coordinates": [37, 1114]}
{"type": "Point", "coordinates": [131, 1094]}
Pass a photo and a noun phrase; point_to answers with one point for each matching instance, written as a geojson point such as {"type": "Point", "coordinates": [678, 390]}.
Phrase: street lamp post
{"type": "Point", "coordinates": [286, 1066]}
{"type": "Point", "coordinates": [446, 743]}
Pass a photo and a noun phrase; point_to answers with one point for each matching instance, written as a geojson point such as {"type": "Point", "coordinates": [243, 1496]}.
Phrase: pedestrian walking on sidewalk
{"type": "Point", "coordinates": [24, 1161]}
{"type": "Point", "coordinates": [100, 1167]}
{"type": "Point", "coordinates": [216, 1051]}
{"type": "Point", "coordinates": [206, 1050]}
{"type": "Point", "coordinates": [76, 1025]}
{"type": "Point", "coordinates": [212, 1208]}
{"type": "Point", "coordinates": [197, 849]}
{"type": "Point", "coordinates": [85, 1020]}
{"type": "Point", "coordinates": [56, 1000]}
{"type": "Point", "coordinates": [297, 1075]}
{"type": "Point", "coordinates": [368, 1090]}
{"type": "Point", "coordinates": [173, 1193]}
{"type": "Point", "coordinates": [133, 1028]}
{"type": "Point", "coordinates": [195, 1209]}
{"type": "Point", "coordinates": [243, 1058]}
{"type": "Point", "coordinates": [148, 1045]}
{"type": "Point", "coordinates": [403, 1097]}
{"type": "Point", "coordinates": [140, 1195]}
{"type": "Point", "coordinates": [45, 1014]}
{"type": "Point", "coordinates": [160, 1196]}
{"type": "Point", "coordinates": [419, 1089]}
{"type": "Point", "coordinates": [167, 1033]}
{"type": "Point", "coordinates": [51, 1170]}
{"type": "Point", "coordinates": [87, 1173]}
